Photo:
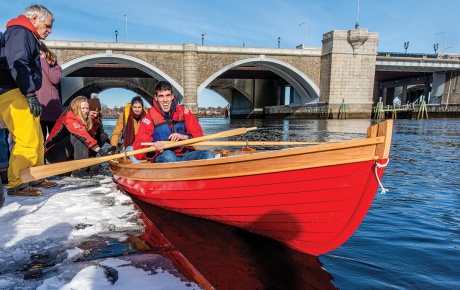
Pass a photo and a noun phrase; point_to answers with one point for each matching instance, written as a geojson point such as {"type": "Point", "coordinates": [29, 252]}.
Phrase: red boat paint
{"type": "Point", "coordinates": [311, 210]}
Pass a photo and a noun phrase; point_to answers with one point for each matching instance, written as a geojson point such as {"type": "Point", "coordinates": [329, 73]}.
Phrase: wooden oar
{"type": "Point", "coordinates": [243, 143]}
{"type": "Point", "coordinates": [43, 171]}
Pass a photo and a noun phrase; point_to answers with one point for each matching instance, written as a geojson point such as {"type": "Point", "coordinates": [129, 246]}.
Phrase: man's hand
{"type": "Point", "coordinates": [177, 137]}
{"type": "Point", "coordinates": [34, 105]}
{"type": "Point", "coordinates": [160, 146]}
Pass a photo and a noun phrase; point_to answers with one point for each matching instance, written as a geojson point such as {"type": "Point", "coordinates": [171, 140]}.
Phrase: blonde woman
{"type": "Point", "coordinates": [69, 139]}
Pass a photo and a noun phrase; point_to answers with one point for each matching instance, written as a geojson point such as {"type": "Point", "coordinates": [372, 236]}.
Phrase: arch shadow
{"type": "Point", "coordinates": [304, 86]}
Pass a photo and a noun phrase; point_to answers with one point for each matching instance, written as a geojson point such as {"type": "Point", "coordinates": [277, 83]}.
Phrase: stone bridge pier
{"type": "Point", "coordinates": [348, 71]}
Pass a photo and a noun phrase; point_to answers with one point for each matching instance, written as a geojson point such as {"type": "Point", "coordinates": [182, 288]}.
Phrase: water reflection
{"type": "Point", "coordinates": [231, 258]}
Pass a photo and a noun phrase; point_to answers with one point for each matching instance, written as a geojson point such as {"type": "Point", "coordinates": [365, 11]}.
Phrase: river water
{"type": "Point", "coordinates": [410, 238]}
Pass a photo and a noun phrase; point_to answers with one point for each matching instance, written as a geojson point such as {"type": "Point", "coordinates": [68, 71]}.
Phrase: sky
{"type": "Point", "coordinates": [58, 222]}
{"type": "Point", "coordinates": [255, 23]}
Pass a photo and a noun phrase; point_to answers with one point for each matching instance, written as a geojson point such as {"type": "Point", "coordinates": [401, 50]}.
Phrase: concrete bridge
{"type": "Point", "coordinates": [254, 81]}
{"type": "Point", "coordinates": [430, 77]}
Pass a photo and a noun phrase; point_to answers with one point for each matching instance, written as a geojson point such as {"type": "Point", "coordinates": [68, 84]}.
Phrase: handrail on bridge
{"type": "Point", "coordinates": [420, 55]}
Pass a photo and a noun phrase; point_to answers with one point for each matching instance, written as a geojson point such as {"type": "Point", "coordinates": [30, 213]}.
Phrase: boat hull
{"type": "Point", "coordinates": [314, 207]}
{"type": "Point", "coordinates": [310, 210]}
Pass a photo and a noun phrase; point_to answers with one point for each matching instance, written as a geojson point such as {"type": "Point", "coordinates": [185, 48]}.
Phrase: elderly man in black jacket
{"type": "Point", "coordinates": [20, 78]}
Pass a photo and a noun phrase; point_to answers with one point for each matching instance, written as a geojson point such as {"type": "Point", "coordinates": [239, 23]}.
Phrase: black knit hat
{"type": "Point", "coordinates": [94, 103]}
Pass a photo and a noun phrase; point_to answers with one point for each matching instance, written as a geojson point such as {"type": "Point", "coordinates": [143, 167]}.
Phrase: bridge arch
{"type": "Point", "coordinates": [303, 85]}
{"type": "Point", "coordinates": [73, 86]}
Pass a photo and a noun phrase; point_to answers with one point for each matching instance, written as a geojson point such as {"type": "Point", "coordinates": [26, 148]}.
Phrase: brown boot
{"type": "Point", "coordinates": [43, 184]}
{"type": "Point", "coordinates": [26, 191]}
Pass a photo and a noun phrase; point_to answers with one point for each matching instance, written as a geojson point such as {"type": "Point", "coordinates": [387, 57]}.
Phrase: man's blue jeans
{"type": "Point", "coordinates": [132, 158]}
{"type": "Point", "coordinates": [169, 156]}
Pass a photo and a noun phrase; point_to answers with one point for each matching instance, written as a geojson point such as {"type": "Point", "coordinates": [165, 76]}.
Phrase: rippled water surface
{"type": "Point", "coordinates": [410, 237]}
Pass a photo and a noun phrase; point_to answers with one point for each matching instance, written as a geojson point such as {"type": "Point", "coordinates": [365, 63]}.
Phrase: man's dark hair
{"type": "Point", "coordinates": [163, 86]}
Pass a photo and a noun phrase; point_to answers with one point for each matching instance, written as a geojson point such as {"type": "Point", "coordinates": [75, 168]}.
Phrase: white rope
{"type": "Point", "coordinates": [378, 165]}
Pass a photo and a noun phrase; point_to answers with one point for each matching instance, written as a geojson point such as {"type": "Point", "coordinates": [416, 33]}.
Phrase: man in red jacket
{"type": "Point", "coordinates": [167, 120]}
{"type": "Point", "coordinates": [20, 78]}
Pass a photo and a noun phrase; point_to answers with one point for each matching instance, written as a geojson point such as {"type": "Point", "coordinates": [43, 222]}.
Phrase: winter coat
{"type": "Point", "coordinates": [48, 95]}
{"type": "Point", "coordinates": [154, 120]}
{"type": "Point", "coordinates": [67, 124]}
{"type": "Point", "coordinates": [120, 125]}
{"type": "Point", "coordinates": [20, 64]}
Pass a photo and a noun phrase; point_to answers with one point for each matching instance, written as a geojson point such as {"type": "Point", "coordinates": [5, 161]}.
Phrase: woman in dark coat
{"type": "Point", "coordinates": [48, 94]}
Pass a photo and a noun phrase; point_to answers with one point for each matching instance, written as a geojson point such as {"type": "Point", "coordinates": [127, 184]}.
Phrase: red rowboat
{"type": "Point", "coordinates": [311, 199]}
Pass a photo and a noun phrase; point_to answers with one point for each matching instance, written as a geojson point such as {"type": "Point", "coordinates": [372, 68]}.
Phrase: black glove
{"type": "Point", "coordinates": [112, 149]}
{"type": "Point", "coordinates": [102, 153]}
{"type": "Point", "coordinates": [34, 105]}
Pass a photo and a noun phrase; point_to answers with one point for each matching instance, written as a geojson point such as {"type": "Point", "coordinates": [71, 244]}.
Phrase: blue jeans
{"type": "Point", "coordinates": [169, 156]}
{"type": "Point", "coordinates": [132, 158]}
{"type": "Point", "coordinates": [4, 149]}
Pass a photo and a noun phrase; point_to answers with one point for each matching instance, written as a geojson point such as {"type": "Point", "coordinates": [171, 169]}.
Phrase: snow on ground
{"type": "Point", "coordinates": [42, 239]}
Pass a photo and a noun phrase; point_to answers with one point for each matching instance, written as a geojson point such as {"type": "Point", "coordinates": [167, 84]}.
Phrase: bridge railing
{"type": "Point", "coordinates": [420, 55]}
{"type": "Point", "coordinates": [402, 54]}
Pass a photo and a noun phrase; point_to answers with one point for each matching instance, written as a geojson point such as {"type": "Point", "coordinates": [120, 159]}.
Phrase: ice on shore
{"type": "Point", "coordinates": [43, 237]}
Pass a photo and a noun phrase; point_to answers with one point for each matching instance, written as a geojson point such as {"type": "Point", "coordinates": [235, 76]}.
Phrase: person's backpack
{"type": "Point", "coordinates": [2, 39]}
{"type": "Point", "coordinates": [2, 50]}
{"type": "Point", "coordinates": [4, 73]}
{"type": "Point", "coordinates": [2, 43]}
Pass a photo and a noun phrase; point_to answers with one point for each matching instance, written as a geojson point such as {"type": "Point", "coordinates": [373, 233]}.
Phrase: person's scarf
{"type": "Point", "coordinates": [23, 21]}
{"type": "Point", "coordinates": [129, 135]}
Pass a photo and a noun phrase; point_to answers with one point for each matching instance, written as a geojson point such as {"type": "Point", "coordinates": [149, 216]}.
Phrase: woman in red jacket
{"type": "Point", "coordinates": [69, 139]}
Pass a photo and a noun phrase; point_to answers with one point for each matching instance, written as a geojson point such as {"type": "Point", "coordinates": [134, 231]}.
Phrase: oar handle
{"type": "Point", "coordinates": [242, 143]}
{"type": "Point", "coordinates": [192, 141]}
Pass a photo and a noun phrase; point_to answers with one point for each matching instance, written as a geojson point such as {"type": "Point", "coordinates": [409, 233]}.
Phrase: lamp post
{"type": "Point", "coordinates": [357, 15]}
{"type": "Point", "coordinates": [435, 47]}
{"type": "Point", "coordinates": [116, 35]}
{"type": "Point", "coordinates": [202, 38]}
{"type": "Point", "coordinates": [304, 23]}
{"type": "Point", "coordinates": [279, 41]}
{"type": "Point", "coordinates": [126, 15]}
{"type": "Point", "coordinates": [406, 46]}
{"type": "Point", "coordinates": [445, 40]}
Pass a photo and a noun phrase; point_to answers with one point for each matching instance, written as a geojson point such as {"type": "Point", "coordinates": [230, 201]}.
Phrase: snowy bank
{"type": "Point", "coordinates": [45, 240]}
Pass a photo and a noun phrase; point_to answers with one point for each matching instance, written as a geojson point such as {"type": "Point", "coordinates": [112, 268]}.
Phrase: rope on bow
{"type": "Point", "coordinates": [378, 165]}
